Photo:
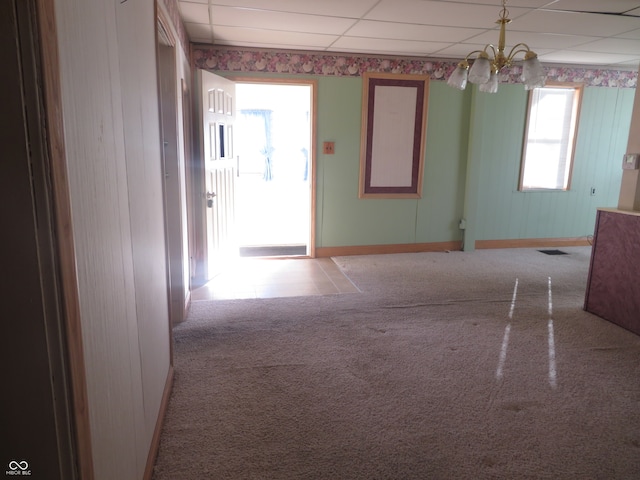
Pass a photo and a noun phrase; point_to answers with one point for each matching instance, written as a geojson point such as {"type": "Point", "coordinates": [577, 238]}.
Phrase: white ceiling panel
{"type": "Point", "coordinates": [401, 31]}
{"type": "Point", "coordinates": [586, 58]}
{"type": "Point", "coordinates": [607, 6]}
{"type": "Point", "coordinates": [632, 65]}
{"type": "Point", "coordinates": [497, 4]}
{"type": "Point", "coordinates": [572, 23]}
{"type": "Point", "coordinates": [633, 34]}
{"type": "Point", "coordinates": [618, 45]}
{"type": "Point", "coordinates": [194, 12]}
{"type": "Point", "coordinates": [272, 46]}
{"type": "Point", "coordinates": [199, 32]}
{"type": "Point", "coordinates": [337, 8]}
{"type": "Point", "coordinates": [398, 47]}
{"type": "Point", "coordinates": [438, 13]}
{"type": "Point", "coordinates": [234, 35]}
{"type": "Point", "coordinates": [268, 20]}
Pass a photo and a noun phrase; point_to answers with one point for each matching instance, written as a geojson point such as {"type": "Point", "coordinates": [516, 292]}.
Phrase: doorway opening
{"type": "Point", "coordinates": [274, 184]}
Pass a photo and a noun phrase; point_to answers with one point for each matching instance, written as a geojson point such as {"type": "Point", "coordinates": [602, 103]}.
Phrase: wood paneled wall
{"type": "Point", "coordinates": [110, 109]}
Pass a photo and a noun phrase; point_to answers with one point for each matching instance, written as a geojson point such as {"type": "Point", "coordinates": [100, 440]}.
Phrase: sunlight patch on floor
{"type": "Point", "coordinates": [276, 277]}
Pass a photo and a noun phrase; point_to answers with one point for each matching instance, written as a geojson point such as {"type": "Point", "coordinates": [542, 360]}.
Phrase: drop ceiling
{"type": "Point", "coordinates": [602, 33]}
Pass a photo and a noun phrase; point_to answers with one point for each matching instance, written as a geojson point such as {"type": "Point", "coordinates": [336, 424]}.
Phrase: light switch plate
{"type": "Point", "coordinates": [631, 161]}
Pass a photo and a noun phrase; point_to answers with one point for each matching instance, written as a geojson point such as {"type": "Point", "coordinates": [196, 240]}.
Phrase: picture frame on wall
{"type": "Point", "coordinates": [394, 122]}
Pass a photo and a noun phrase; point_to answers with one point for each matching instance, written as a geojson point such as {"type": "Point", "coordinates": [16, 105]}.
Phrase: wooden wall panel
{"type": "Point", "coordinates": [136, 27]}
{"type": "Point", "coordinates": [107, 63]}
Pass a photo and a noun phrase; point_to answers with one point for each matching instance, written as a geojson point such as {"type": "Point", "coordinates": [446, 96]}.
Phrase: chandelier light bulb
{"type": "Point", "coordinates": [532, 72]}
{"type": "Point", "coordinates": [491, 86]}
{"type": "Point", "coordinates": [458, 78]}
{"type": "Point", "coordinates": [480, 70]}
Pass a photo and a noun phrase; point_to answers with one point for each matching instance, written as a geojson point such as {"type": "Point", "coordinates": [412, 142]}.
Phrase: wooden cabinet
{"type": "Point", "coordinates": [613, 287]}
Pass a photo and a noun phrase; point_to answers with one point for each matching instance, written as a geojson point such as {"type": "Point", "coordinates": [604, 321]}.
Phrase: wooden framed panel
{"type": "Point", "coordinates": [394, 123]}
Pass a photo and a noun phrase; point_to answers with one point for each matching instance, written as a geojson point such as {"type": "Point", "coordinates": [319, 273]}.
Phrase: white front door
{"type": "Point", "coordinates": [220, 165]}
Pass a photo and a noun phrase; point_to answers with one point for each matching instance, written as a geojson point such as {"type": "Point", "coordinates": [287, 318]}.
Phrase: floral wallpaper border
{"type": "Point", "coordinates": [349, 65]}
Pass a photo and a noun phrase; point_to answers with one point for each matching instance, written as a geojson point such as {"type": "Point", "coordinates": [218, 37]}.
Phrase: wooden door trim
{"type": "Point", "coordinates": [196, 169]}
{"type": "Point", "coordinates": [312, 154]}
{"type": "Point", "coordinates": [64, 233]}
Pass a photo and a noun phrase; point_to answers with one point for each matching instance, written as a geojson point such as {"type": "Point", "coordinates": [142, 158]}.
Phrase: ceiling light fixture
{"type": "Point", "coordinates": [485, 70]}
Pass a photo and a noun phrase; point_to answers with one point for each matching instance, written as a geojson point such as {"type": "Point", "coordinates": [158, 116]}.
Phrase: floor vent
{"type": "Point", "coordinates": [553, 252]}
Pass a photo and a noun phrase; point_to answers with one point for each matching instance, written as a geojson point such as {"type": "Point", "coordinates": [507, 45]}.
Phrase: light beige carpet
{"type": "Point", "coordinates": [442, 368]}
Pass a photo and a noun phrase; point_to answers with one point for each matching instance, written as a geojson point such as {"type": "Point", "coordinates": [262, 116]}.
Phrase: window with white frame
{"type": "Point", "coordinates": [550, 137]}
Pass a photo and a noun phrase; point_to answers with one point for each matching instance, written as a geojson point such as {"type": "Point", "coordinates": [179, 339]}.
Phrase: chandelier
{"type": "Point", "coordinates": [484, 71]}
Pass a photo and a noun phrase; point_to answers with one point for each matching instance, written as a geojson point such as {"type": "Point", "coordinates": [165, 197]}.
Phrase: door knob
{"type": "Point", "coordinates": [210, 196]}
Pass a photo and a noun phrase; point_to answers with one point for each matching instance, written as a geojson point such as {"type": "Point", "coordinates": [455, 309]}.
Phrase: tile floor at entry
{"type": "Point", "coordinates": [276, 277]}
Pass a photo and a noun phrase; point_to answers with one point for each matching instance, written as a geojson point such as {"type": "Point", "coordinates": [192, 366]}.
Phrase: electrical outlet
{"type": "Point", "coordinates": [593, 191]}
{"type": "Point", "coordinates": [328, 148]}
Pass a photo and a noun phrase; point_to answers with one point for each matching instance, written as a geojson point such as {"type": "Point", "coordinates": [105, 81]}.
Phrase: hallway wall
{"type": "Point", "coordinates": [111, 121]}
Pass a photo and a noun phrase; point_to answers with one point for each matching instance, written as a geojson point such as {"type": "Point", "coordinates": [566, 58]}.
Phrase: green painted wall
{"type": "Point", "coordinates": [471, 171]}
{"type": "Point", "coordinates": [343, 218]}
{"type": "Point", "coordinates": [495, 209]}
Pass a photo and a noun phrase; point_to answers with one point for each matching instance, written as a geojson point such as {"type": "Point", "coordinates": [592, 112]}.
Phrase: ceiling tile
{"type": "Point", "coordinates": [194, 12]}
{"type": "Point", "coordinates": [386, 46]}
{"type": "Point", "coordinates": [554, 21]}
{"type": "Point", "coordinates": [632, 65]}
{"type": "Point", "coordinates": [403, 31]}
{"type": "Point", "coordinates": [198, 32]}
{"type": "Point", "coordinates": [633, 34]}
{"type": "Point", "coordinates": [238, 35]}
{"type": "Point", "coordinates": [609, 6]}
{"type": "Point", "coordinates": [512, 3]}
{"type": "Point", "coordinates": [438, 13]}
{"type": "Point", "coordinates": [586, 58]}
{"type": "Point", "coordinates": [618, 45]}
{"type": "Point", "coordinates": [238, 17]}
{"type": "Point", "coordinates": [335, 8]}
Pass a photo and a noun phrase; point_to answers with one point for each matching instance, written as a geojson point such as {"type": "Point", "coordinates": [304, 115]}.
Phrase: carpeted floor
{"type": "Point", "coordinates": [461, 365]}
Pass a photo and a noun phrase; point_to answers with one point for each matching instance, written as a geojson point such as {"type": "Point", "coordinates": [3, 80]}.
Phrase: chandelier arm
{"type": "Point", "coordinates": [519, 48]}
{"type": "Point", "coordinates": [493, 48]}
{"type": "Point", "coordinates": [475, 51]}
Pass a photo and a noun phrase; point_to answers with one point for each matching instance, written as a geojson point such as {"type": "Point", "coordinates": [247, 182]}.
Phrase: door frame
{"type": "Point", "coordinates": [313, 84]}
{"type": "Point", "coordinates": [43, 53]}
{"type": "Point", "coordinates": [172, 190]}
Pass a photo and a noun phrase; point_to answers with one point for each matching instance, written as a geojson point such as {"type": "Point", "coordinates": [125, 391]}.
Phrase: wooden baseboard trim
{"type": "Point", "coordinates": [533, 243]}
{"type": "Point", "coordinates": [385, 249]}
{"type": "Point", "coordinates": [451, 246]}
{"type": "Point", "coordinates": [155, 441]}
